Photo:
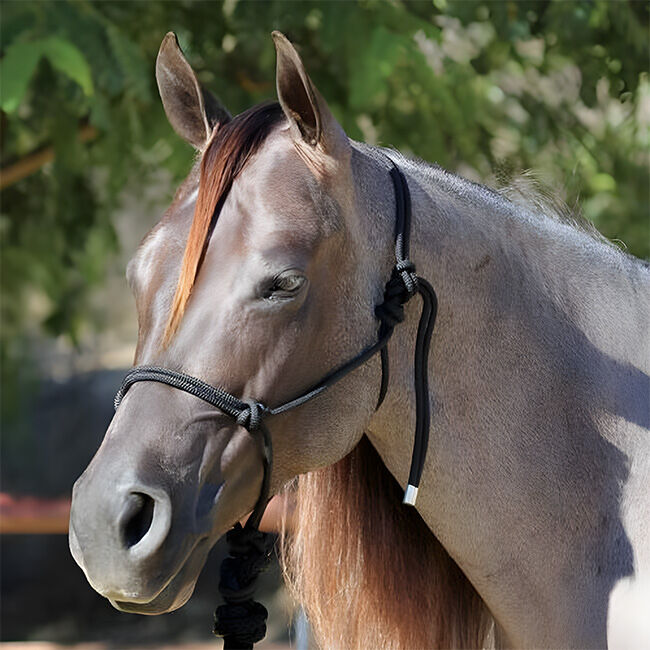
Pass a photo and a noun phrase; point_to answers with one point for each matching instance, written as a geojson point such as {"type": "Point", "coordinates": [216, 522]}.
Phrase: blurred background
{"type": "Point", "coordinates": [89, 163]}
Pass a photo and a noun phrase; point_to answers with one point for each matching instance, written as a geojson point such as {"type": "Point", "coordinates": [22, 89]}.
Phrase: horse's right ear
{"type": "Point", "coordinates": [192, 111]}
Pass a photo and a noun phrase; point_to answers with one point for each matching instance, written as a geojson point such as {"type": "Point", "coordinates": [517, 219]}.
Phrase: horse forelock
{"type": "Point", "coordinates": [226, 155]}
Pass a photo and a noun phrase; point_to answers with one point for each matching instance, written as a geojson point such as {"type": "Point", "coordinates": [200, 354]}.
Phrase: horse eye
{"type": "Point", "coordinates": [285, 285]}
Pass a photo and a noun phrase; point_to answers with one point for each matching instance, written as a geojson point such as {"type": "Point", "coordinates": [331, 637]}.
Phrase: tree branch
{"type": "Point", "coordinates": [32, 162]}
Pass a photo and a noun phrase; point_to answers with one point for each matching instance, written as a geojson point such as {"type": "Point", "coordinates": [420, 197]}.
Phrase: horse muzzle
{"type": "Point", "coordinates": [167, 482]}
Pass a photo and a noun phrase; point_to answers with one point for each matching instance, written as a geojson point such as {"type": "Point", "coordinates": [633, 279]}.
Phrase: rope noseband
{"type": "Point", "coordinates": [242, 621]}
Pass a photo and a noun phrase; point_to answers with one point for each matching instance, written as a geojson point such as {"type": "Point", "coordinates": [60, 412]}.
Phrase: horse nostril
{"type": "Point", "coordinates": [138, 519]}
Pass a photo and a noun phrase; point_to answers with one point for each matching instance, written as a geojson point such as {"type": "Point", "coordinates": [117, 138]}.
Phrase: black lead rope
{"type": "Point", "coordinates": [242, 621]}
{"type": "Point", "coordinates": [404, 283]}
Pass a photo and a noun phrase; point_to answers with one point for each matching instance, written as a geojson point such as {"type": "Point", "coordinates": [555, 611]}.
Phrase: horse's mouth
{"type": "Point", "coordinates": [176, 592]}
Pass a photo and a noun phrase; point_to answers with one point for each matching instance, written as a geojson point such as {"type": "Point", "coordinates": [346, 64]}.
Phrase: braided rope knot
{"type": "Point", "coordinates": [241, 620]}
{"type": "Point", "coordinates": [406, 271]}
{"type": "Point", "coordinates": [241, 625]}
{"type": "Point", "coordinates": [401, 287]}
{"type": "Point", "coordinates": [251, 417]}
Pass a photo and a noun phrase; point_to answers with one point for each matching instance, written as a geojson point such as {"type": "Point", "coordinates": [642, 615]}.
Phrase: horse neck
{"type": "Point", "coordinates": [522, 456]}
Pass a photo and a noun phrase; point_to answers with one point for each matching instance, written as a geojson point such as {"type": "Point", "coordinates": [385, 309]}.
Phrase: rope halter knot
{"type": "Point", "coordinates": [251, 417]}
{"type": "Point", "coordinates": [400, 288]}
{"type": "Point", "coordinates": [406, 271]}
{"type": "Point", "coordinates": [242, 620]}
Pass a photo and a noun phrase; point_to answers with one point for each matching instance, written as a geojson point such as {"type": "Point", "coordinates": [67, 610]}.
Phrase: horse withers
{"type": "Point", "coordinates": [532, 526]}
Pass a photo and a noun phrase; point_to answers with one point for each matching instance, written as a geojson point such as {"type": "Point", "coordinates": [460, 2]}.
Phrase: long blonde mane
{"type": "Point", "coordinates": [367, 569]}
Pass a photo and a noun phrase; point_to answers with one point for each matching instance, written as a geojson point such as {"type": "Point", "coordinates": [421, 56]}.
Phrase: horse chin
{"type": "Point", "coordinates": [177, 591]}
{"type": "Point", "coordinates": [164, 603]}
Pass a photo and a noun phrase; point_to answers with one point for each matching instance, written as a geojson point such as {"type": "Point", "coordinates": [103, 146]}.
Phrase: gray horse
{"type": "Point", "coordinates": [532, 527]}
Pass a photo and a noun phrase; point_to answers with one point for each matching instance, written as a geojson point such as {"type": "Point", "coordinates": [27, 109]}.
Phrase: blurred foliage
{"type": "Point", "coordinates": [480, 87]}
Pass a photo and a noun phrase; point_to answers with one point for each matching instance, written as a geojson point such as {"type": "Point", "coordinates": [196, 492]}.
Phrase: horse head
{"type": "Point", "coordinates": [260, 278]}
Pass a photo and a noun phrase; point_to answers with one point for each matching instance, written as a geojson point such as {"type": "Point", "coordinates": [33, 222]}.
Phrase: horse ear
{"type": "Point", "coordinates": [193, 112]}
{"type": "Point", "coordinates": [303, 105]}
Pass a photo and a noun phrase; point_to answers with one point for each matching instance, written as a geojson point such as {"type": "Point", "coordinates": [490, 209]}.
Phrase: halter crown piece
{"type": "Point", "coordinates": [241, 621]}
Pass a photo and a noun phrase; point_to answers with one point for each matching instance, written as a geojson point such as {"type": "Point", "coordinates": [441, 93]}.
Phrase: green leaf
{"type": "Point", "coordinates": [375, 65]}
{"type": "Point", "coordinates": [16, 69]}
{"type": "Point", "coordinates": [66, 58]}
{"type": "Point", "coordinates": [135, 70]}
{"type": "Point", "coordinates": [602, 183]}
{"type": "Point", "coordinates": [21, 59]}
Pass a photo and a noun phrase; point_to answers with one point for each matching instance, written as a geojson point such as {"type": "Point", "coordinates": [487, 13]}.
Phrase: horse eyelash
{"type": "Point", "coordinates": [273, 286]}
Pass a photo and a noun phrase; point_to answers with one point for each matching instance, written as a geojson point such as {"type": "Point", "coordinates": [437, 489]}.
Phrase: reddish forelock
{"type": "Point", "coordinates": [226, 155]}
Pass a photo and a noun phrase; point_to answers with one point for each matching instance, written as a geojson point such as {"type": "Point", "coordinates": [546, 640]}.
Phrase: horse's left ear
{"type": "Point", "coordinates": [304, 107]}
{"type": "Point", "coordinates": [192, 111]}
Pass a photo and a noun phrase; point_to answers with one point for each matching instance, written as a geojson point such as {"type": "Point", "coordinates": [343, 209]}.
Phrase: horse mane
{"type": "Point", "coordinates": [367, 569]}
{"type": "Point", "coordinates": [523, 191]}
{"type": "Point", "coordinates": [529, 191]}
{"type": "Point", "coordinates": [229, 149]}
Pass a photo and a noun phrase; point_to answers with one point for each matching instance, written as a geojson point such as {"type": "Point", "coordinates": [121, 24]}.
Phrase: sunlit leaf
{"type": "Point", "coordinates": [16, 70]}
{"type": "Point", "coordinates": [66, 58]}
{"type": "Point", "coordinates": [19, 63]}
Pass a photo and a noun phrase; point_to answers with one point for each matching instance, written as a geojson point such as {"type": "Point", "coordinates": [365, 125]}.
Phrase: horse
{"type": "Point", "coordinates": [532, 524]}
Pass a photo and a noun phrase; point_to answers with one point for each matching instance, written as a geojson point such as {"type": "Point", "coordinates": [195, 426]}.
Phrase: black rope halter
{"type": "Point", "coordinates": [242, 621]}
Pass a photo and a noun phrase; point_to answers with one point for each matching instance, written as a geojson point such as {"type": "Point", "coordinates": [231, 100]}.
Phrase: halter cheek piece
{"type": "Point", "coordinates": [234, 621]}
